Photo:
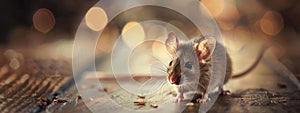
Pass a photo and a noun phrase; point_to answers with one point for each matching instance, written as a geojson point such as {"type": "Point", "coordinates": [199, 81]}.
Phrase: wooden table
{"type": "Point", "coordinates": [46, 85]}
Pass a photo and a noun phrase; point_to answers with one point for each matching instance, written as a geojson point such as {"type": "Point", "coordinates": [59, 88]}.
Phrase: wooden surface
{"type": "Point", "coordinates": [20, 93]}
{"type": "Point", "coordinates": [45, 85]}
{"type": "Point", "coordinates": [20, 89]}
{"type": "Point", "coordinates": [246, 101]}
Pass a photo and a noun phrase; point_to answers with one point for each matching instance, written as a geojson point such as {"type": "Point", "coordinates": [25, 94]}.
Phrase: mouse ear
{"type": "Point", "coordinates": [205, 47]}
{"type": "Point", "coordinates": [172, 43]}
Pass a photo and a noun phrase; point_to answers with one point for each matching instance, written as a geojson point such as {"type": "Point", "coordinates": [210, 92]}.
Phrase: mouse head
{"type": "Point", "coordinates": [187, 57]}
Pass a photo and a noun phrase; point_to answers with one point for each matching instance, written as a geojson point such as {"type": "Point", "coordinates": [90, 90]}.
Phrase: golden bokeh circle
{"type": "Point", "coordinates": [43, 20]}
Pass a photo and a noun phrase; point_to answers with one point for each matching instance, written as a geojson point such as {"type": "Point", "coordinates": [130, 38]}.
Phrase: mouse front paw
{"type": "Point", "coordinates": [205, 98]}
{"type": "Point", "coordinates": [224, 92]}
{"type": "Point", "coordinates": [179, 97]}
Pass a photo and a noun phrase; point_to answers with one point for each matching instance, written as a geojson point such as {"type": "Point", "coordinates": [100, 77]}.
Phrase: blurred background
{"type": "Point", "coordinates": [37, 37]}
{"type": "Point", "coordinates": [46, 28]}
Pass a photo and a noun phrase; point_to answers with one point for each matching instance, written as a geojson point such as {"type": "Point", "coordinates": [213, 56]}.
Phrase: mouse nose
{"type": "Point", "coordinates": [173, 80]}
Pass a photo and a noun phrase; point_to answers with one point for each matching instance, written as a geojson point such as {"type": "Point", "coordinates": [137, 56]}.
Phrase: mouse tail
{"type": "Point", "coordinates": [253, 65]}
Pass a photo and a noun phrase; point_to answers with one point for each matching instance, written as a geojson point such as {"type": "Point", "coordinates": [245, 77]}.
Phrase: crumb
{"type": "Point", "coordinates": [190, 104]}
{"type": "Point", "coordinates": [59, 101]}
{"type": "Point", "coordinates": [104, 89]}
{"type": "Point", "coordinates": [42, 100]}
{"type": "Point", "coordinates": [141, 96]}
{"type": "Point", "coordinates": [79, 97]}
{"type": "Point", "coordinates": [91, 99]}
{"type": "Point", "coordinates": [140, 102]}
{"type": "Point", "coordinates": [154, 105]}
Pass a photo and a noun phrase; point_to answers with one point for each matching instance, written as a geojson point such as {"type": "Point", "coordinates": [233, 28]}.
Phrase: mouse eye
{"type": "Point", "coordinates": [170, 63]}
{"type": "Point", "coordinates": [188, 65]}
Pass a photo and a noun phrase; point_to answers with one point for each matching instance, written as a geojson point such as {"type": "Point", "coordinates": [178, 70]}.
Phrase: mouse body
{"type": "Point", "coordinates": [191, 65]}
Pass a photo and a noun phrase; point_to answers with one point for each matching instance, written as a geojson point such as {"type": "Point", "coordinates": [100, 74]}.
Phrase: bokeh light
{"type": "Point", "coordinates": [96, 18]}
{"type": "Point", "coordinates": [107, 39]}
{"type": "Point", "coordinates": [271, 23]}
{"type": "Point", "coordinates": [214, 6]}
{"type": "Point", "coordinates": [229, 17]}
{"type": "Point", "coordinates": [14, 63]}
{"type": "Point", "coordinates": [160, 52]}
{"type": "Point", "coordinates": [133, 34]}
{"type": "Point", "coordinates": [43, 20]}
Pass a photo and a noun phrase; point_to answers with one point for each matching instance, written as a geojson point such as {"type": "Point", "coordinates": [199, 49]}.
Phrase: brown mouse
{"type": "Point", "coordinates": [192, 55]}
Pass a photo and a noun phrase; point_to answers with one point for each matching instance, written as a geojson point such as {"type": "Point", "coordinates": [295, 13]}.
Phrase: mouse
{"type": "Point", "coordinates": [192, 59]}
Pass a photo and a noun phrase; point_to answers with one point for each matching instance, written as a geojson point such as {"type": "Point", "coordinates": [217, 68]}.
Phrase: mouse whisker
{"type": "Point", "coordinates": [165, 65]}
{"type": "Point", "coordinates": [160, 68]}
{"type": "Point", "coordinates": [158, 83]}
{"type": "Point", "coordinates": [162, 88]}
{"type": "Point", "coordinates": [163, 70]}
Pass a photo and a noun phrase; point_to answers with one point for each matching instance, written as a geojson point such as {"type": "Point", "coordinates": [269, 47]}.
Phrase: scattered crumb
{"type": "Point", "coordinates": [190, 104]}
{"type": "Point", "coordinates": [154, 105]}
{"type": "Point", "coordinates": [140, 102]}
{"type": "Point", "coordinates": [79, 97]}
{"type": "Point", "coordinates": [105, 89]}
{"type": "Point", "coordinates": [44, 101]}
{"type": "Point", "coordinates": [141, 96]}
{"type": "Point", "coordinates": [226, 92]}
{"type": "Point", "coordinates": [59, 101]}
